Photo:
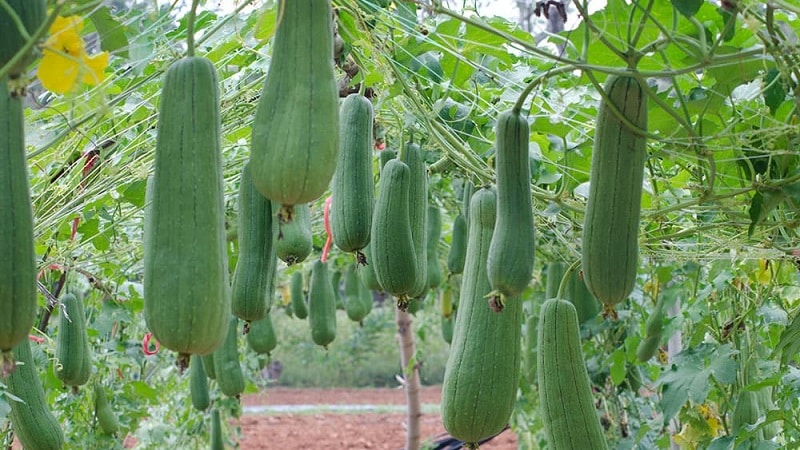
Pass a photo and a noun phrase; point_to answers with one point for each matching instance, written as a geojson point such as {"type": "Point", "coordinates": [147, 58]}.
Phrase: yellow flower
{"type": "Point", "coordinates": [65, 60]}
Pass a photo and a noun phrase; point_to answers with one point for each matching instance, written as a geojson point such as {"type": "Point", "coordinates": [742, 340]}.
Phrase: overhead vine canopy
{"type": "Point", "coordinates": [721, 178]}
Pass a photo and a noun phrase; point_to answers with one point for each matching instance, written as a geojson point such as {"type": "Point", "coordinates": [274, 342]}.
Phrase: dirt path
{"type": "Point", "coordinates": [342, 430]}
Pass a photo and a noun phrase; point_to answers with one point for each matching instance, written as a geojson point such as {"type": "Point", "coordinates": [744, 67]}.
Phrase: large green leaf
{"type": "Point", "coordinates": [689, 374]}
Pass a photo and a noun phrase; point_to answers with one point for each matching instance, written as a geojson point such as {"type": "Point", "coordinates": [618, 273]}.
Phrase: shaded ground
{"type": "Point", "coordinates": [341, 430]}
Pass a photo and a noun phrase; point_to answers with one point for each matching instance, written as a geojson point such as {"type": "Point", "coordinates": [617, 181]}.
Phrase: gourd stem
{"type": "Point", "coordinates": [565, 279]}
{"type": "Point", "coordinates": [536, 82]}
{"type": "Point", "coordinates": [190, 28]}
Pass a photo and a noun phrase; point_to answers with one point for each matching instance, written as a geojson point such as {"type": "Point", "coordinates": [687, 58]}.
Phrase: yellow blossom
{"type": "Point", "coordinates": [65, 60]}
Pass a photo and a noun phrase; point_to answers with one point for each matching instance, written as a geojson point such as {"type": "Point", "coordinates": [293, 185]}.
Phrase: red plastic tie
{"type": "Point", "coordinates": [146, 344]}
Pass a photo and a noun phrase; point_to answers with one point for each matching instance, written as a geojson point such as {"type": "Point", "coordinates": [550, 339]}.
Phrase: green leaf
{"type": "Point", "coordinates": [617, 368]}
{"type": "Point", "coordinates": [722, 443]}
{"type": "Point", "coordinates": [687, 7]}
{"type": "Point", "coordinates": [689, 376]}
{"type": "Point", "coordinates": [775, 92]}
{"type": "Point", "coordinates": [789, 345]}
{"type": "Point", "coordinates": [755, 212]}
{"type": "Point", "coordinates": [112, 33]}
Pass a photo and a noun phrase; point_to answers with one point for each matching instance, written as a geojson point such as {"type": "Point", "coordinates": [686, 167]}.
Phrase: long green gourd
{"type": "Point", "coordinates": [565, 393]}
{"type": "Point", "coordinates": [18, 264]}
{"type": "Point", "coordinates": [31, 419]}
{"type": "Point", "coordinates": [585, 304]}
{"type": "Point", "coordinates": [393, 253]}
{"type": "Point", "coordinates": [418, 212]}
{"type": "Point", "coordinates": [32, 14]}
{"type": "Point", "coordinates": [198, 384]}
{"type": "Point", "coordinates": [434, 229]}
{"type": "Point", "coordinates": [510, 264]}
{"type": "Point", "coordinates": [227, 367]}
{"type": "Point", "coordinates": [482, 372]}
{"type": "Point", "coordinates": [610, 249]}
{"type": "Point", "coordinates": [295, 137]}
{"type": "Point", "coordinates": [298, 296]}
{"type": "Point", "coordinates": [294, 238]}
{"type": "Point", "coordinates": [217, 441]}
{"type": "Point", "coordinates": [321, 305]}
{"type": "Point", "coordinates": [186, 291]}
{"type": "Point", "coordinates": [458, 245]}
{"type": "Point", "coordinates": [255, 269]}
{"type": "Point", "coordinates": [73, 357]}
{"type": "Point", "coordinates": [353, 186]}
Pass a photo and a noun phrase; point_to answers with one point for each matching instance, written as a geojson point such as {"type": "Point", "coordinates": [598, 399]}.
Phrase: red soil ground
{"type": "Point", "coordinates": [341, 430]}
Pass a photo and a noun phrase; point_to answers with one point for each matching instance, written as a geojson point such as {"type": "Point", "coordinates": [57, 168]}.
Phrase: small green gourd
{"type": "Point", "coordinates": [73, 357]}
{"type": "Point", "coordinates": [227, 367]}
{"type": "Point", "coordinates": [298, 296]}
{"type": "Point", "coordinates": [102, 411]}
{"type": "Point", "coordinates": [434, 234]}
{"type": "Point", "coordinates": [321, 305]}
{"type": "Point", "coordinates": [217, 441]}
{"type": "Point", "coordinates": [198, 384]}
{"type": "Point", "coordinates": [353, 296]}
{"type": "Point", "coordinates": [458, 246]}
{"type": "Point", "coordinates": [261, 338]}
{"type": "Point", "coordinates": [295, 242]}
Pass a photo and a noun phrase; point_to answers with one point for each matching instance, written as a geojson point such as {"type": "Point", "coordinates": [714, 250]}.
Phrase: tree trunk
{"type": "Point", "coordinates": [405, 332]}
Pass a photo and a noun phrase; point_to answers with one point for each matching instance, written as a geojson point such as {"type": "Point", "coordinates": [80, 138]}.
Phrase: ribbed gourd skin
{"type": "Point", "coordinates": [458, 245]}
{"type": "Point", "coordinates": [482, 372]}
{"type": "Point", "coordinates": [32, 421]}
{"type": "Point", "coordinates": [186, 292]}
{"type": "Point", "coordinates": [294, 238]}
{"type": "Point", "coordinates": [32, 13]}
{"type": "Point", "coordinates": [227, 367]}
{"type": "Point", "coordinates": [73, 357]}
{"type": "Point", "coordinates": [295, 138]}
{"type": "Point", "coordinates": [255, 268]}
{"type": "Point", "coordinates": [434, 229]}
{"type": "Point", "coordinates": [565, 393]}
{"type": "Point", "coordinates": [511, 255]}
{"type": "Point", "coordinates": [321, 305]}
{"type": "Point", "coordinates": [18, 264]}
{"type": "Point", "coordinates": [418, 215]}
{"type": "Point", "coordinates": [298, 296]}
{"type": "Point", "coordinates": [261, 338]}
{"type": "Point", "coordinates": [353, 186]}
{"type": "Point", "coordinates": [610, 249]}
{"type": "Point", "coordinates": [394, 256]}
{"type": "Point", "coordinates": [198, 384]}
